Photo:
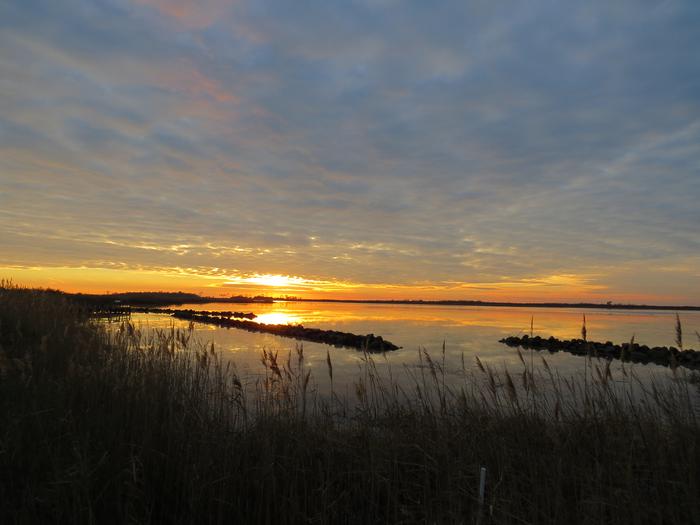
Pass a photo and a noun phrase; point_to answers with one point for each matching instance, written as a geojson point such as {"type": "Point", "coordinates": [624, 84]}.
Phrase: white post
{"type": "Point", "coordinates": [482, 487]}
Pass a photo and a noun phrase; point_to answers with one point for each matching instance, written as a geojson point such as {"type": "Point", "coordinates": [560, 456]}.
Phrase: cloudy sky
{"type": "Point", "coordinates": [517, 150]}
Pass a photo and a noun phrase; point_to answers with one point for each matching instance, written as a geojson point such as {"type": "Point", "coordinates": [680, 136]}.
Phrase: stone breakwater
{"type": "Point", "coordinates": [660, 355]}
{"type": "Point", "coordinates": [172, 311]}
{"type": "Point", "coordinates": [126, 311]}
{"type": "Point", "coordinates": [370, 342]}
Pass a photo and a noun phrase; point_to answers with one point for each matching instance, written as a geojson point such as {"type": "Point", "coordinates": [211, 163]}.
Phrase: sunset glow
{"type": "Point", "coordinates": [270, 261]}
{"type": "Point", "coordinates": [275, 281]}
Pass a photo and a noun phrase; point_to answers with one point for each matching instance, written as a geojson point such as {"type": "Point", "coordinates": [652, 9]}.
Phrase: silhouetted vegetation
{"type": "Point", "coordinates": [100, 426]}
{"type": "Point", "coordinates": [162, 299]}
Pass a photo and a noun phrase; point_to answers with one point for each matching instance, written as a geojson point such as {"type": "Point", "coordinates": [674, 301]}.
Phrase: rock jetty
{"type": "Point", "coordinates": [370, 342]}
{"type": "Point", "coordinates": [660, 355]}
{"type": "Point", "coordinates": [172, 311]}
{"type": "Point", "coordinates": [126, 311]}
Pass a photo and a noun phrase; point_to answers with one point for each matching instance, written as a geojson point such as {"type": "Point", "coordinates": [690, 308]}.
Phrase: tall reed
{"type": "Point", "coordinates": [117, 426]}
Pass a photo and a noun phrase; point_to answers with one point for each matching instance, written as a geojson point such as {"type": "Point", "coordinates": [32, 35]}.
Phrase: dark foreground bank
{"type": "Point", "coordinates": [122, 428]}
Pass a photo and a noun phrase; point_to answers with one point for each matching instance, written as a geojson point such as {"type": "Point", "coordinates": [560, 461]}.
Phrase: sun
{"type": "Point", "coordinates": [275, 280]}
{"type": "Point", "coordinates": [271, 280]}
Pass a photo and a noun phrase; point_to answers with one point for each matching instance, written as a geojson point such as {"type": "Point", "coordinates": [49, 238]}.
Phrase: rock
{"type": "Point", "coordinates": [626, 351]}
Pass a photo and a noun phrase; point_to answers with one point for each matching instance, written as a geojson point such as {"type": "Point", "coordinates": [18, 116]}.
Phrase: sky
{"type": "Point", "coordinates": [511, 150]}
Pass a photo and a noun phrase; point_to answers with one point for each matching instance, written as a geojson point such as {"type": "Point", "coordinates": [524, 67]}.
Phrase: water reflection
{"type": "Point", "coordinates": [424, 324]}
{"type": "Point", "coordinates": [278, 317]}
{"type": "Point", "coordinates": [467, 332]}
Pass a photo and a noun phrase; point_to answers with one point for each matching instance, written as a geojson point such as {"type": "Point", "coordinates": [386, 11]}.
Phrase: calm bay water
{"type": "Point", "coordinates": [467, 332]}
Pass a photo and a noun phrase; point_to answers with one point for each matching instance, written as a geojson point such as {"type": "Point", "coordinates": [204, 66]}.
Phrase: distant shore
{"type": "Point", "coordinates": [178, 298]}
{"type": "Point", "coordinates": [601, 306]}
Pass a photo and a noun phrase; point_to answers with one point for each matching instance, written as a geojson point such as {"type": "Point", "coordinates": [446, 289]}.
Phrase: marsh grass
{"type": "Point", "coordinates": [679, 333]}
{"type": "Point", "coordinates": [118, 426]}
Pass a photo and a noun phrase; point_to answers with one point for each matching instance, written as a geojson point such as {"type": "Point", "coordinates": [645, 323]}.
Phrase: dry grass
{"type": "Point", "coordinates": [101, 426]}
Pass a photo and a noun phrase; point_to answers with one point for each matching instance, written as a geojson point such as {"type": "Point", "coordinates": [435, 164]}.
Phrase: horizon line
{"type": "Point", "coordinates": [456, 302]}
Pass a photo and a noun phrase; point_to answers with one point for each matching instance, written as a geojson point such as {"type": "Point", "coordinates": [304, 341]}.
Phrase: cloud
{"type": "Point", "coordinates": [188, 14]}
{"type": "Point", "coordinates": [461, 143]}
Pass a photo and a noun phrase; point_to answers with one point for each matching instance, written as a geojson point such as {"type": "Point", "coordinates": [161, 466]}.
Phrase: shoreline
{"type": "Point", "coordinates": [155, 299]}
{"type": "Point", "coordinates": [419, 302]}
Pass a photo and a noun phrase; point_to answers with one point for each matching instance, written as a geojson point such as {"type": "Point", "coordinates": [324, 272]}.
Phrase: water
{"type": "Point", "coordinates": [466, 332]}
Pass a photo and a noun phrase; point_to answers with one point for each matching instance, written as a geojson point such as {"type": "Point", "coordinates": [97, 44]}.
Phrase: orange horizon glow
{"type": "Point", "coordinates": [556, 288]}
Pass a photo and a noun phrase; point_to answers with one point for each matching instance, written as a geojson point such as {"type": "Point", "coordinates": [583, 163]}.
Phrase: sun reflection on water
{"type": "Point", "coordinates": [278, 318]}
